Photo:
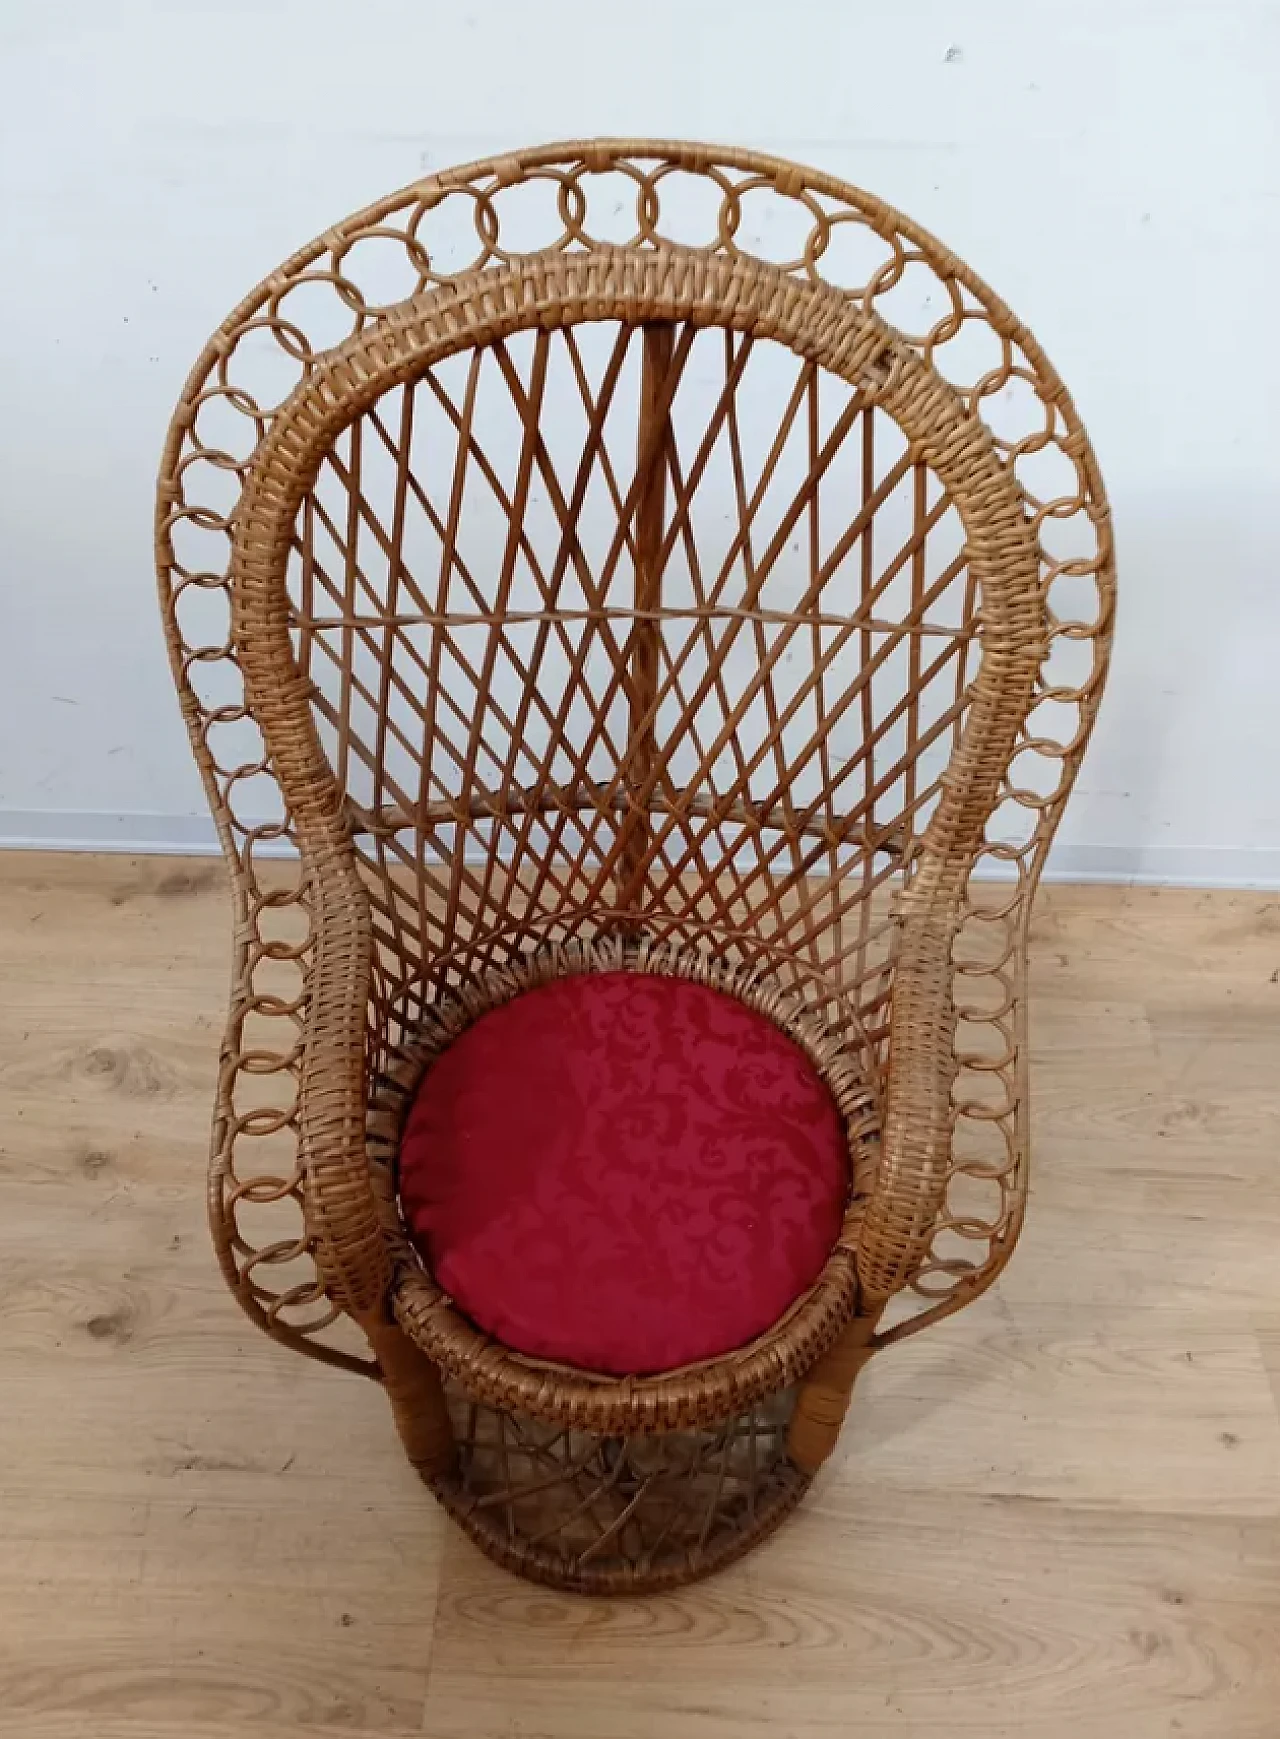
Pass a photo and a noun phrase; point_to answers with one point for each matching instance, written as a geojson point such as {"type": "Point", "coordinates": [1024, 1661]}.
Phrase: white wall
{"type": "Point", "coordinates": [1111, 166]}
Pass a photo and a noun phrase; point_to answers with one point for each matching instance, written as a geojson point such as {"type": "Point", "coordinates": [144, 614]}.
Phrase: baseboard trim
{"type": "Point", "coordinates": [143, 835]}
{"type": "Point", "coordinates": [1172, 866]}
{"type": "Point", "coordinates": [134, 835]}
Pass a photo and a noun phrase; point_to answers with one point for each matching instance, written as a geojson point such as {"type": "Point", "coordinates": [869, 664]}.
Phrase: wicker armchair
{"type": "Point", "coordinates": [626, 588]}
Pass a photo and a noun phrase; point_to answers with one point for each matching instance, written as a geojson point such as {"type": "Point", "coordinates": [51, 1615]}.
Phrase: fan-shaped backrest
{"type": "Point", "coordinates": [547, 739]}
{"type": "Point", "coordinates": [624, 534]}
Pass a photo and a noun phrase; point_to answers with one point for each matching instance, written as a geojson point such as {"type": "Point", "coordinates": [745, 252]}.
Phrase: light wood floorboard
{"type": "Point", "coordinates": [1056, 1516]}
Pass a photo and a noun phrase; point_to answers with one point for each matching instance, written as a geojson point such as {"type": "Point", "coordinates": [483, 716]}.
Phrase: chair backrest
{"type": "Point", "coordinates": [627, 533]}
{"type": "Point", "coordinates": [640, 607]}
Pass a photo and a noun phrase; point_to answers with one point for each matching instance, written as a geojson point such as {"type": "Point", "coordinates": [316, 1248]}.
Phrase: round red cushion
{"type": "Point", "coordinates": [623, 1172]}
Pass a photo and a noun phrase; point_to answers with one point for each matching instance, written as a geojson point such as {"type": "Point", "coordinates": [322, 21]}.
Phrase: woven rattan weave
{"type": "Point", "coordinates": [647, 555]}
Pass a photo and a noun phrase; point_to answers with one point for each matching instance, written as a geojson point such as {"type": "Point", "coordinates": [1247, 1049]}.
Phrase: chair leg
{"type": "Point", "coordinates": [417, 1399]}
{"type": "Point", "coordinates": [824, 1395]}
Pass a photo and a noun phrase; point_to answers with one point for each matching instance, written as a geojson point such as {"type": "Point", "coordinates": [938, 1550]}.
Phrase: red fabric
{"type": "Point", "coordinates": [623, 1172]}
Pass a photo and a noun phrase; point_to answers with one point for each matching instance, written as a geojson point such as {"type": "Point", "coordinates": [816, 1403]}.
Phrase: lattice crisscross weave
{"type": "Point", "coordinates": [598, 1514]}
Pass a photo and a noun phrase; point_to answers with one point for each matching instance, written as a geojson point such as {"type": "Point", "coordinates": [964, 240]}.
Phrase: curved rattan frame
{"type": "Point", "coordinates": [958, 964]}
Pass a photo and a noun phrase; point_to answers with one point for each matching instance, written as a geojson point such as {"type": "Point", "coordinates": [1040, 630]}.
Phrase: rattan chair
{"type": "Point", "coordinates": [626, 585]}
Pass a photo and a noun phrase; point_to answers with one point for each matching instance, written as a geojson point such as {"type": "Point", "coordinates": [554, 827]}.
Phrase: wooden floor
{"type": "Point", "coordinates": [1056, 1516]}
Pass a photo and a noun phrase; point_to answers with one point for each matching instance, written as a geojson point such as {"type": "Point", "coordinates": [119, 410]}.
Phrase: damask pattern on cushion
{"type": "Point", "coordinates": [623, 1172]}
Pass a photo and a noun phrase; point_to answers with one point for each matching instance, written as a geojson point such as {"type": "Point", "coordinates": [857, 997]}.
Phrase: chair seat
{"type": "Point", "coordinates": [624, 1172]}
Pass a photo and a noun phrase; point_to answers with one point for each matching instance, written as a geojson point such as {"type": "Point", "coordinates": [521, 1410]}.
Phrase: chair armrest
{"type": "Point", "coordinates": [915, 1157]}
{"type": "Point", "coordinates": [341, 1212]}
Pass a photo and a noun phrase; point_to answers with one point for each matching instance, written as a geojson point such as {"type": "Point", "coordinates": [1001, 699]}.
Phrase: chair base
{"type": "Point", "coordinates": [618, 1515]}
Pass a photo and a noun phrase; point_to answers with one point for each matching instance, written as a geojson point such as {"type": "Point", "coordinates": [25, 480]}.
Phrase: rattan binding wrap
{"type": "Point", "coordinates": [514, 691]}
